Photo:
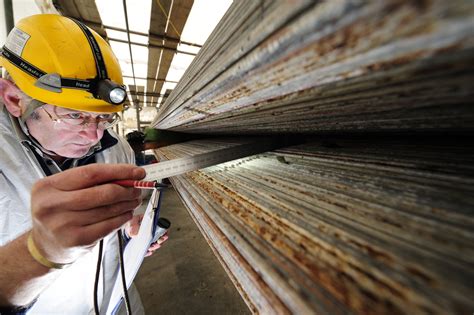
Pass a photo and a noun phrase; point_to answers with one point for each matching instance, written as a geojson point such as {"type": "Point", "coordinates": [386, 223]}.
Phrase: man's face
{"type": "Point", "coordinates": [69, 141]}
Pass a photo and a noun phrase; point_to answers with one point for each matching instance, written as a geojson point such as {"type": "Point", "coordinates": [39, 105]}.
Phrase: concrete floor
{"type": "Point", "coordinates": [184, 276]}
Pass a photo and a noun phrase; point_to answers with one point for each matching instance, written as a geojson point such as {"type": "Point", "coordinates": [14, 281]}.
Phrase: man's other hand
{"type": "Point", "coordinates": [133, 226]}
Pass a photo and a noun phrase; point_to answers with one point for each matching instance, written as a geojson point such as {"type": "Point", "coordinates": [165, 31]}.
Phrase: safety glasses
{"type": "Point", "coordinates": [80, 120]}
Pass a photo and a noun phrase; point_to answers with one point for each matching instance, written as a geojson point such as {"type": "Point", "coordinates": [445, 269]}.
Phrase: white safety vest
{"type": "Point", "coordinates": [72, 292]}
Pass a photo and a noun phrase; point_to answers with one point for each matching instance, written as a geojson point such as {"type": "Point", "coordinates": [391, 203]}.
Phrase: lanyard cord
{"type": "Point", "coordinates": [122, 272]}
{"type": "Point", "coordinates": [97, 274]}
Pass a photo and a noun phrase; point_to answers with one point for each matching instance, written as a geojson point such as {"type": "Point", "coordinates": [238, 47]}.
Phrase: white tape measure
{"type": "Point", "coordinates": [191, 163]}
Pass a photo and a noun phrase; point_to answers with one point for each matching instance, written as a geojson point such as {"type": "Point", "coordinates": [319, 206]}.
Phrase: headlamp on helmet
{"type": "Point", "coordinates": [111, 92]}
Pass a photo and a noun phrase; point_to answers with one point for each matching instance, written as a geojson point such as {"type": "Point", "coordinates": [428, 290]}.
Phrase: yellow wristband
{"type": "Point", "coordinates": [34, 252]}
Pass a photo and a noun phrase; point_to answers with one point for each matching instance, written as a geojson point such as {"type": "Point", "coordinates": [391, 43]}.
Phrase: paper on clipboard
{"type": "Point", "coordinates": [135, 251]}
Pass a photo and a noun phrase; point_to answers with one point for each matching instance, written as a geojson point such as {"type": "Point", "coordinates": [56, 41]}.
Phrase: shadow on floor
{"type": "Point", "coordinates": [184, 276]}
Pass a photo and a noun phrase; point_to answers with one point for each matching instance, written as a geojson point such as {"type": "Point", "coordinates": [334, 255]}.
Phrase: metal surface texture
{"type": "Point", "coordinates": [369, 226]}
{"type": "Point", "coordinates": [378, 217]}
{"type": "Point", "coordinates": [330, 66]}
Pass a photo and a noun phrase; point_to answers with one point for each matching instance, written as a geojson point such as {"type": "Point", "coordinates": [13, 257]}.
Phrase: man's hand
{"type": "Point", "coordinates": [133, 226]}
{"type": "Point", "coordinates": [154, 246]}
{"type": "Point", "coordinates": [74, 209]}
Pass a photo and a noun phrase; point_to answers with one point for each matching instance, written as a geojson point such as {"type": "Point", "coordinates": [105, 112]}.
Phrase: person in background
{"type": "Point", "coordinates": [59, 95]}
{"type": "Point", "coordinates": [136, 140]}
{"type": "Point", "coordinates": [153, 139]}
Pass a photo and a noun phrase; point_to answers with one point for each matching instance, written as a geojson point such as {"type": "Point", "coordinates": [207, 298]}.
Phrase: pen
{"type": "Point", "coordinates": [142, 184]}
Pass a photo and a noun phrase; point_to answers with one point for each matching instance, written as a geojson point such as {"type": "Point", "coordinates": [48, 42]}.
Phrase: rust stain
{"type": "Point", "coordinates": [397, 61]}
{"type": "Point", "coordinates": [326, 275]}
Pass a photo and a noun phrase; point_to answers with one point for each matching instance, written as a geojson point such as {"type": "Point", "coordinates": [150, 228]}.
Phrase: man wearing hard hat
{"type": "Point", "coordinates": [59, 99]}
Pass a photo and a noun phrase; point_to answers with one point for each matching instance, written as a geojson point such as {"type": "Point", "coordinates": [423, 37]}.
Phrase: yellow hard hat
{"type": "Point", "coordinates": [60, 61]}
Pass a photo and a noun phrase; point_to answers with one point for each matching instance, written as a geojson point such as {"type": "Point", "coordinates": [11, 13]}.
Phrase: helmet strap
{"type": "Point", "coordinates": [98, 58]}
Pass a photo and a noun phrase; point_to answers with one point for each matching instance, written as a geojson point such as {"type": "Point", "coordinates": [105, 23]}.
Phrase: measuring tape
{"type": "Point", "coordinates": [179, 166]}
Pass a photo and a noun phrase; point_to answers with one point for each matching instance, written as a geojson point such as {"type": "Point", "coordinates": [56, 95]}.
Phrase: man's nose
{"type": "Point", "coordinates": [90, 131]}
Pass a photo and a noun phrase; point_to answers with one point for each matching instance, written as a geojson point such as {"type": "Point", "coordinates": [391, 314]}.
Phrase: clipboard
{"type": "Point", "coordinates": [151, 229]}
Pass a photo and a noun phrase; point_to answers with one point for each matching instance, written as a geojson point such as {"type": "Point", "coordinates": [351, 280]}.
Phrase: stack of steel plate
{"type": "Point", "coordinates": [373, 213]}
{"type": "Point", "coordinates": [325, 66]}
{"type": "Point", "coordinates": [377, 226]}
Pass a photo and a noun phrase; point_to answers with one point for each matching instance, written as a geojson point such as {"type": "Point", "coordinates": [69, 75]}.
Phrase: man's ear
{"type": "Point", "coordinates": [10, 95]}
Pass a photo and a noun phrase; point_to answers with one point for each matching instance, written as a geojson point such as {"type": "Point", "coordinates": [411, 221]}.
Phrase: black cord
{"type": "Point", "coordinates": [97, 274]}
{"type": "Point", "coordinates": [122, 271]}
